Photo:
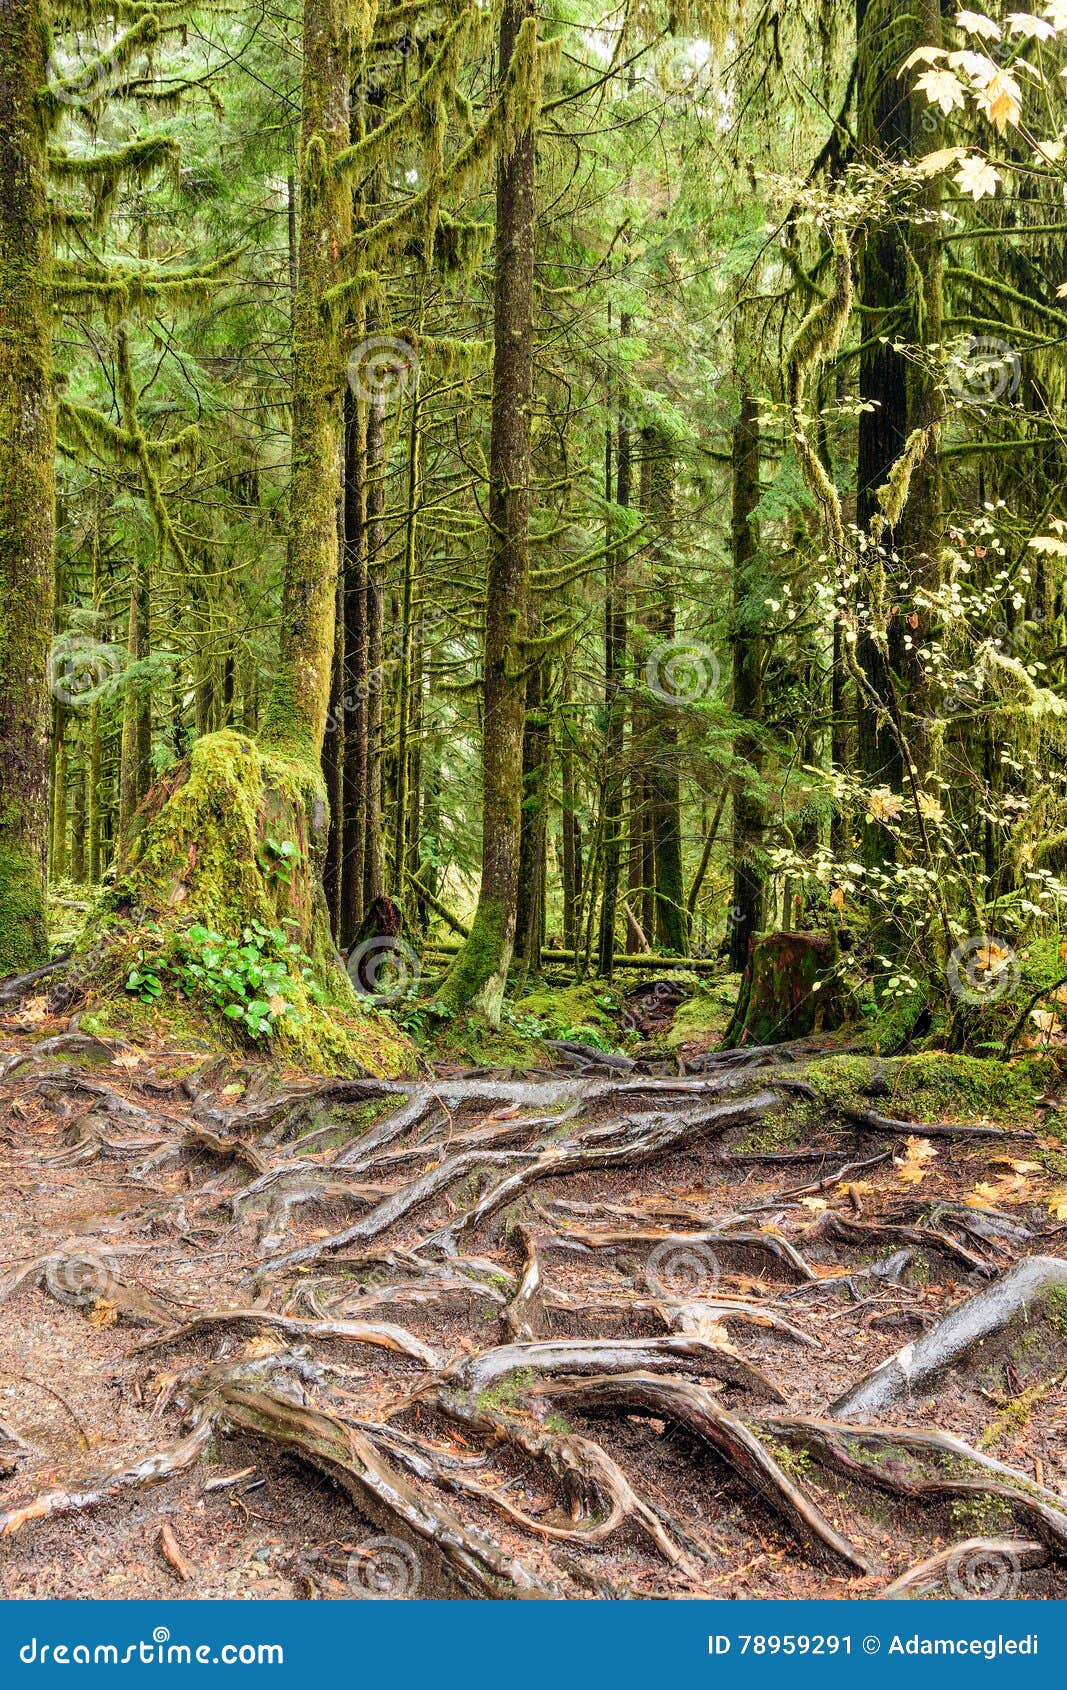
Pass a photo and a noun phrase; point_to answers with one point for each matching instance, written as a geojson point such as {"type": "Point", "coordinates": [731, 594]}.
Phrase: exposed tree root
{"type": "Point", "coordinates": [381, 1335]}
{"type": "Point", "coordinates": [963, 1564]}
{"type": "Point", "coordinates": [161, 1464]}
{"type": "Point", "coordinates": [458, 1555]}
{"type": "Point", "coordinates": [693, 1407]}
{"type": "Point", "coordinates": [1015, 1295]}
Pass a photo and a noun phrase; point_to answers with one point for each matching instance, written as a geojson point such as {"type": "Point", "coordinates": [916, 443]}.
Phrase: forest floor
{"type": "Point", "coordinates": [584, 1332]}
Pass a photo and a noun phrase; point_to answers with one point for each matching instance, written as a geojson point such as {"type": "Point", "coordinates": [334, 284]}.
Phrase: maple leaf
{"type": "Point", "coordinates": [931, 164]}
{"type": "Point", "coordinates": [1057, 1205]}
{"type": "Point", "coordinates": [1001, 100]}
{"type": "Point", "coordinates": [930, 808]}
{"type": "Point", "coordinates": [977, 177]}
{"type": "Point", "coordinates": [976, 23]}
{"type": "Point", "coordinates": [922, 56]}
{"type": "Point", "coordinates": [1034, 29]}
{"type": "Point", "coordinates": [837, 898]}
{"type": "Point", "coordinates": [942, 88]}
{"type": "Point", "coordinates": [884, 804]}
{"type": "Point", "coordinates": [815, 1204]}
{"type": "Point", "coordinates": [911, 1167]}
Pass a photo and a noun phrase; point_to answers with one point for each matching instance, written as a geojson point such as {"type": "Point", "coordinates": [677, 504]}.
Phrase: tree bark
{"type": "Point", "coordinates": [662, 776]}
{"type": "Point", "coordinates": [296, 715]}
{"type": "Point", "coordinates": [748, 654]}
{"type": "Point", "coordinates": [479, 974]}
{"type": "Point", "coordinates": [27, 487]}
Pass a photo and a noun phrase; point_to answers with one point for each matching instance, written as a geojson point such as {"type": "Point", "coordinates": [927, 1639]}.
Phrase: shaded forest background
{"type": "Point", "coordinates": [608, 461]}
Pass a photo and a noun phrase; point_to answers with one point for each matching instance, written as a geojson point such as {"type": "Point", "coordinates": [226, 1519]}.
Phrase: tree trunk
{"type": "Point", "coordinates": [749, 818]}
{"type": "Point", "coordinates": [27, 487]}
{"type": "Point", "coordinates": [788, 990]}
{"type": "Point", "coordinates": [614, 710]}
{"type": "Point", "coordinates": [662, 777]}
{"type": "Point", "coordinates": [355, 696]}
{"type": "Point", "coordinates": [479, 974]}
{"type": "Point", "coordinates": [296, 716]}
{"type": "Point", "coordinates": [373, 848]}
{"type": "Point", "coordinates": [134, 768]}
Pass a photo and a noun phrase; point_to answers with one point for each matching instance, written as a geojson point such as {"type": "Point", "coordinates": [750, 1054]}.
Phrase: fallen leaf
{"type": "Point", "coordinates": [172, 1552]}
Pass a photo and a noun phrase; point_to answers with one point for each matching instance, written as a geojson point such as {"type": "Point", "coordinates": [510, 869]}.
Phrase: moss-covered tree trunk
{"type": "Point", "coordinates": [296, 715]}
{"type": "Point", "coordinates": [353, 820]}
{"type": "Point", "coordinates": [479, 974]}
{"type": "Point", "coordinates": [614, 701]}
{"type": "Point", "coordinates": [27, 486]}
{"type": "Point", "coordinates": [663, 784]}
{"type": "Point", "coordinates": [748, 658]}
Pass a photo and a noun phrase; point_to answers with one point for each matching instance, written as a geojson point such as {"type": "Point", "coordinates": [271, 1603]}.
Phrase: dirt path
{"type": "Point", "coordinates": [574, 1336]}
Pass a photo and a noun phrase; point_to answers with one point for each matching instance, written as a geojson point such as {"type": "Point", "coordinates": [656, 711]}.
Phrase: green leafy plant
{"type": "Point", "coordinates": [278, 858]}
{"type": "Point", "coordinates": [251, 979]}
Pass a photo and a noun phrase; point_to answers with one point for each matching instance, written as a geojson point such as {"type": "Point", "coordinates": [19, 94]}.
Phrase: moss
{"type": "Point", "coordinates": [477, 978]}
{"type": "Point", "coordinates": [703, 1018]}
{"type": "Point", "coordinates": [197, 854]}
{"type": "Point", "coordinates": [507, 1391]}
{"type": "Point", "coordinates": [23, 927]}
{"type": "Point", "coordinates": [570, 1011]}
{"type": "Point", "coordinates": [469, 1039]}
{"type": "Point", "coordinates": [934, 1084]}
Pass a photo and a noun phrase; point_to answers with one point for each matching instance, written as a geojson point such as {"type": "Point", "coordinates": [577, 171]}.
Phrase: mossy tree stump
{"type": "Point", "coordinates": [230, 838]}
{"type": "Point", "coordinates": [789, 989]}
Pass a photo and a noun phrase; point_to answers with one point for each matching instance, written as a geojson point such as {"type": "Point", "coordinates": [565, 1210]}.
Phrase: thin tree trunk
{"type": "Point", "coordinates": [355, 689]}
{"type": "Point", "coordinates": [749, 816]}
{"type": "Point", "coordinates": [373, 849]}
{"type": "Point", "coordinates": [662, 778]}
{"type": "Point", "coordinates": [479, 973]}
{"type": "Point", "coordinates": [615, 711]}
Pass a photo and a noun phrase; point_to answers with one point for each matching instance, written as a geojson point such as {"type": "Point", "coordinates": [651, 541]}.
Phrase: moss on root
{"type": "Point", "coordinates": [231, 838]}
{"type": "Point", "coordinates": [935, 1085]}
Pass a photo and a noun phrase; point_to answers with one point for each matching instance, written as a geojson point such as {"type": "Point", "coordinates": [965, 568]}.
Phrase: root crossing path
{"type": "Point", "coordinates": [580, 1336]}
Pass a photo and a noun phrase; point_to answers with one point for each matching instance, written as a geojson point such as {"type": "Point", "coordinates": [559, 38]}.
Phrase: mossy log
{"type": "Point", "coordinates": [230, 837]}
{"type": "Point", "coordinates": [789, 989]}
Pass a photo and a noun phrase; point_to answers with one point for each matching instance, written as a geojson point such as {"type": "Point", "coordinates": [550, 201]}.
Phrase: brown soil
{"type": "Point", "coordinates": [137, 1193]}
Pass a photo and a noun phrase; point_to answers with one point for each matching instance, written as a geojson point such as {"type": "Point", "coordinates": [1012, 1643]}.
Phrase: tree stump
{"type": "Point", "coordinates": [789, 989]}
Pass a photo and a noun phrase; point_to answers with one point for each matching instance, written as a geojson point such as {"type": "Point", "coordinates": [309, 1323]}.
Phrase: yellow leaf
{"type": "Point", "coordinates": [911, 1167]}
